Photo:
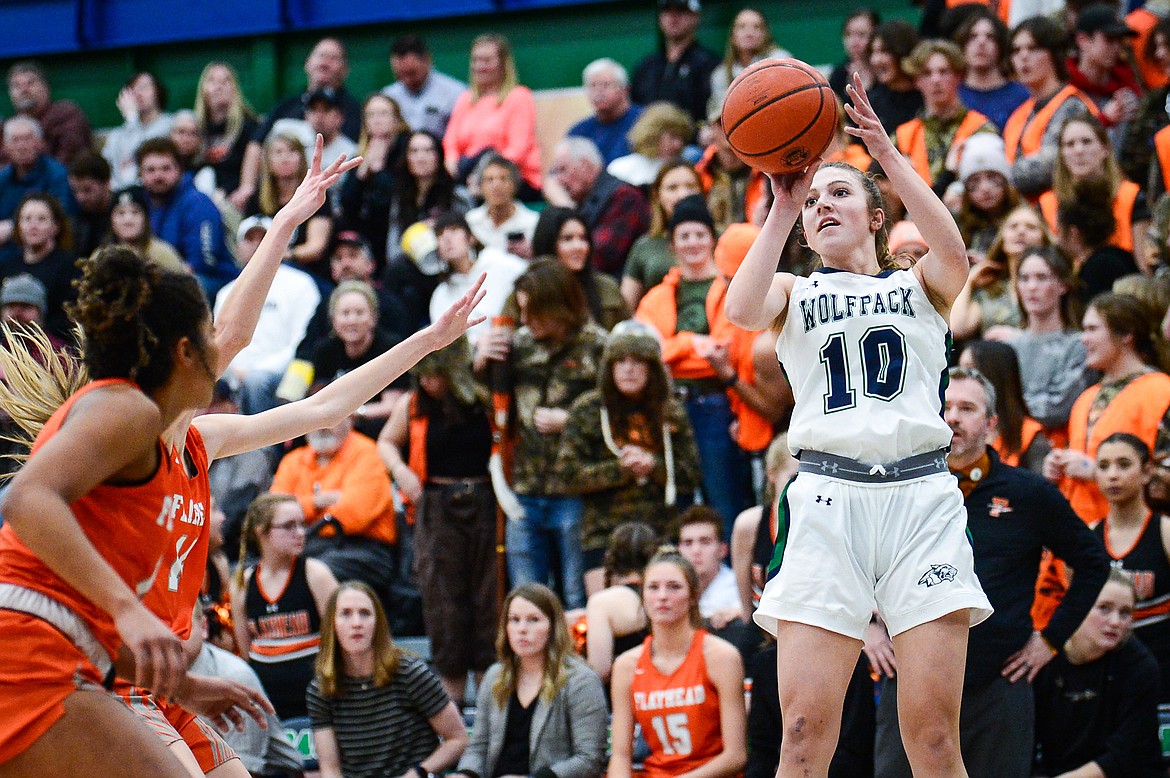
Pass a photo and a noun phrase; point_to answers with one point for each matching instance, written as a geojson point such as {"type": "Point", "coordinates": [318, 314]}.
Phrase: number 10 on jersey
{"type": "Point", "coordinates": [883, 367]}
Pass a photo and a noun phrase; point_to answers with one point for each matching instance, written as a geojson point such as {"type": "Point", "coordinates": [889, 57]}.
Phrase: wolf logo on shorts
{"type": "Point", "coordinates": [937, 574]}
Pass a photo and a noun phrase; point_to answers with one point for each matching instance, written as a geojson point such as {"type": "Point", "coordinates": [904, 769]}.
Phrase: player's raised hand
{"type": "Point", "coordinates": [458, 319]}
{"type": "Point", "coordinates": [868, 126]}
{"type": "Point", "coordinates": [791, 189]}
{"type": "Point", "coordinates": [310, 195]}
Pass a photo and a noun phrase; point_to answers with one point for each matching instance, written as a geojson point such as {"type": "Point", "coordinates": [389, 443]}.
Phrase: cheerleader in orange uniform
{"type": "Point", "coordinates": [683, 686]}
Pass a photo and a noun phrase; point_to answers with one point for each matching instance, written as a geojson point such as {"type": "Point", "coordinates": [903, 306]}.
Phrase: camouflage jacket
{"type": "Point", "coordinates": [547, 379]}
{"type": "Point", "coordinates": [585, 466]}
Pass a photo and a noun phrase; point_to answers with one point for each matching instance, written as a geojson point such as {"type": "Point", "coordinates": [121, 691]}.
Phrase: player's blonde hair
{"type": "Point", "coordinates": [38, 379]}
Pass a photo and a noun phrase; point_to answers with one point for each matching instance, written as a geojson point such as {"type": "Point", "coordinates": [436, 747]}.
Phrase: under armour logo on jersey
{"type": "Point", "coordinates": [825, 500]}
{"type": "Point", "coordinates": [937, 574]}
{"type": "Point", "coordinates": [814, 283]}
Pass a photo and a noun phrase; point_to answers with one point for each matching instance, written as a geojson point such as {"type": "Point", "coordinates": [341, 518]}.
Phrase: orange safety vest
{"type": "Point", "coordinates": [757, 183]}
{"type": "Point", "coordinates": [1137, 409]}
{"type": "Point", "coordinates": [1024, 133]}
{"type": "Point", "coordinates": [416, 458]}
{"type": "Point", "coordinates": [659, 309]}
{"type": "Point", "coordinates": [1162, 152]}
{"type": "Point", "coordinates": [851, 154]}
{"type": "Point", "coordinates": [911, 140]}
{"type": "Point", "coordinates": [1123, 202]}
{"type": "Point", "coordinates": [1028, 432]}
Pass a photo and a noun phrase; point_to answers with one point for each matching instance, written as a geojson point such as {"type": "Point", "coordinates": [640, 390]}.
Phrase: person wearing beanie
{"type": "Point", "coordinates": [23, 300]}
{"type": "Point", "coordinates": [436, 447]}
{"type": "Point", "coordinates": [988, 195]}
{"type": "Point", "coordinates": [628, 448]}
{"type": "Point", "coordinates": [699, 348]}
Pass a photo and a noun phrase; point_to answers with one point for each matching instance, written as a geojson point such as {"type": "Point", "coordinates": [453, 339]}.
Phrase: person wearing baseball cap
{"type": "Point", "coordinates": [679, 72]}
{"type": "Point", "coordinates": [1098, 67]}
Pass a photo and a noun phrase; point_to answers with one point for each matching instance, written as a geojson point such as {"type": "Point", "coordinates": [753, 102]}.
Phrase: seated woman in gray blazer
{"type": "Point", "coordinates": [541, 711]}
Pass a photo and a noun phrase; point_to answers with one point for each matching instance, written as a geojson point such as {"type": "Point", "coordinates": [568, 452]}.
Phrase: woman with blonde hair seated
{"type": "Point", "coordinates": [660, 134]}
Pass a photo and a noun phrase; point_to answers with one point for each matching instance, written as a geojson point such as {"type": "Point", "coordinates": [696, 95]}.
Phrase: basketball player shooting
{"type": "Point", "coordinates": [865, 346]}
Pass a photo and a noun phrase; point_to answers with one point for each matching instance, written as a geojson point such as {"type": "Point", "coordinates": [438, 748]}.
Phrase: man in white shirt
{"type": "Point", "coordinates": [700, 541]}
{"type": "Point", "coordinates": [502, 222]}
{"type": "Point", "coordinates": [457, 249]}
{"type": "Point", "coordinates": [293, 297]}
{"type": "Point", "coordinates": [425, 96]}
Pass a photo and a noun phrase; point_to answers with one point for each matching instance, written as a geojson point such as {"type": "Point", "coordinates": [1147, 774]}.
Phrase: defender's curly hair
{"type": "Point", "coordinates": [131, 314]}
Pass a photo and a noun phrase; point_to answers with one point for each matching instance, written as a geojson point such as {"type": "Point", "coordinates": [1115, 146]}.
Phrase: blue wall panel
{"type": "Point", "coordinates": [37, 27]}
{"type": "Point", "coordinates": [114, 23]}
{"type": "Point", "coordinates": [313, 14]}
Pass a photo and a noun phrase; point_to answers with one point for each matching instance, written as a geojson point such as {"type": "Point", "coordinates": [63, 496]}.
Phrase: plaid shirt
{"type": "Point", "coordinates": [625, 218]}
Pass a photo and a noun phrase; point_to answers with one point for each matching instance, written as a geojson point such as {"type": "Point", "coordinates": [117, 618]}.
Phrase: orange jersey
{"type": "Point", "coordinates": [180, 578]}
{"type": "Point", "coordinates": [678, 713]}
{"type": "Point", "coordinates": [127, 524]}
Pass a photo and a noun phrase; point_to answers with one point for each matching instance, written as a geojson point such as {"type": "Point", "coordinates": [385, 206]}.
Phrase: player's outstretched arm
{"type": "Point", "coordinates": [943, 270]}
{"type": "Point", "coordinates": [237, 320]}
{"type": "Point", "coordinates": [228, 434]}
{"type": "Point", "coordinates": [758, 294]}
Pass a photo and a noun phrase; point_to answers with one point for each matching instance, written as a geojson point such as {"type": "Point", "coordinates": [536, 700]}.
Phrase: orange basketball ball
{"type": "Point", "coordinates": [779, 115]}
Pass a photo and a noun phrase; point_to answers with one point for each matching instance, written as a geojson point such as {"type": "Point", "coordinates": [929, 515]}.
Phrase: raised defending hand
{"type": "Point", "coordinates": [310, 195]}
{"type": "Point", "coordinates": [457, 319]}
{"type": "Point", "coordinates": [868, 126]}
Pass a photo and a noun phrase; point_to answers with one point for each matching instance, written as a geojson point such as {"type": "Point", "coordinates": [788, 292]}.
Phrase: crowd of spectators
{"type": "Point", "coordinates": [607, 405]}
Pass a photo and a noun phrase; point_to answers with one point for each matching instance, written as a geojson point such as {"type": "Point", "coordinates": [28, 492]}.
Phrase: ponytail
{"type": "Point", "coordinates": [38, 379]}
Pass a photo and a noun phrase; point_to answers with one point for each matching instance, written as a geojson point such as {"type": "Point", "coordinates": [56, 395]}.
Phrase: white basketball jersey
{"type": "Point", "coordinates": [867, 360]}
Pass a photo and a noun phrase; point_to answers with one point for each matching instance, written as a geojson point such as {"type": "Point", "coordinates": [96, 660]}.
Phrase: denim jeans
{"type": "Point", "coordinates": [548, 539]}
{"type": "Point", "coordinates": [727, 485]}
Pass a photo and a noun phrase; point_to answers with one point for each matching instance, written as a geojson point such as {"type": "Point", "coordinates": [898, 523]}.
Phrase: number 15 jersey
{"type": "Point", "coordinates": [678, 713]}
{"type": "Point", "coordinates": [867, 360]}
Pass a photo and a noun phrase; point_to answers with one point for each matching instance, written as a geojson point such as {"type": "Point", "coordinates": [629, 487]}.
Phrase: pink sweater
{"type": "Point", "coordinates": [508, 127]}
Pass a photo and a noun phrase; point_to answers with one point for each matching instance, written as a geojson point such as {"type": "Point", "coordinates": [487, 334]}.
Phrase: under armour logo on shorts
{"type": "Point", "coordinates": [937, 574]}
{"type": "Point", "coordinates": [825, 500]}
